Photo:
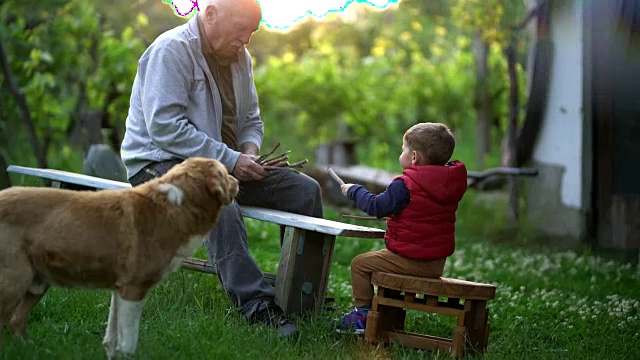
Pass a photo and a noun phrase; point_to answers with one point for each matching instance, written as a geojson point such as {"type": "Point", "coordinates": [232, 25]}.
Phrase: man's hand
{"type": "Point", "coordinates": [345, 188]}
{"type": "Point", "coordinates": [247, 169]}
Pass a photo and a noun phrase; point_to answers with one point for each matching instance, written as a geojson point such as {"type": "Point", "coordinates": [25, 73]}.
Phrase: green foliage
{"type": "Point", "coordinates": [418, 69]}
{"type": "Point", "coordinates": [494, 19]}
{"type": "Point", "coordinates": [375, 77]}
{"type": "Point", "coordinates": [115, 71]}
{"type": "Point", "coordinates": [65, 63]}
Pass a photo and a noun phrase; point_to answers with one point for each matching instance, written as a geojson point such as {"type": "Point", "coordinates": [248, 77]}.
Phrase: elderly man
{"type": "Point", "coordinates": [194, 95]}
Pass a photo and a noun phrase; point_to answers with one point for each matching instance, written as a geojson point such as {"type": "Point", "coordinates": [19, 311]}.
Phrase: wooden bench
{"type": "Point", "coordinates": [307, 248]}
{"type": "Point", "coordinates": [396, 293]}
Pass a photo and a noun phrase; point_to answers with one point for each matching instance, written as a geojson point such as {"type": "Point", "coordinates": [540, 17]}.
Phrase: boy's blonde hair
{"type": "Point", "coordinates": [434, 141]}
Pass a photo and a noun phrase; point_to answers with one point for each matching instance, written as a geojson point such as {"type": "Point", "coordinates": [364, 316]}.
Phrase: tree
{"type": "Point", "coordinates": [21, 102]}
{"type": "Point", "coordinates": [492, 22]}
{"type": "Point", "coordinates": [69, 74]}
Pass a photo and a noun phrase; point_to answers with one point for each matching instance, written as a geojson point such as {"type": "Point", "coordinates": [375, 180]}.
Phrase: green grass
{"type": "Point", "coordinates": [550, 304]}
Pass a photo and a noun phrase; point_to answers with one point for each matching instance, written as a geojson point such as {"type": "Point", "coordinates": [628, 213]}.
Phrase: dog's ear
{"type": "Point", "coordinates": [222, 188]}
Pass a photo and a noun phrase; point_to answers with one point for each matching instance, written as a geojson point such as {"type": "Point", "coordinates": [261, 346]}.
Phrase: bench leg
{"type": "Point", "coordinates": [303, 271]}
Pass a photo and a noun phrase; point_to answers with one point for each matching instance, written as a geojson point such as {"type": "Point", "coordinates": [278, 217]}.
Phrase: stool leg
{"type": "Point", "coordinates": [372, 329]}
{"type": "Point", "coordinates": [475, 321]}
{"type": "Point", "coordinates": [392, 318]}
{"type": "Point", "coordinates": [383, 318]}
{"type": "Point", "coordinates": [459, 339]}
{"type": "Point", "coordinates": [371, 332]}
{"type": "Point", "coordinates": [486, 338]}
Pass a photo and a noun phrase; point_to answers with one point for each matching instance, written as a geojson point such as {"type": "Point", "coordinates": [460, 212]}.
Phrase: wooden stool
{"type": "Point", "coordinates": [396, 293]}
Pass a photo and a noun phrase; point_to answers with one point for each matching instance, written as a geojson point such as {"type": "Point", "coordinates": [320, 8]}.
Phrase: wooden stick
{"type": "Point", "coordinates": [281, 157]}
{"type": "Point", "coordinates": [282, 161]}
{"type": "Point", "coordinates": [261, 158]}
{"type": "Point", "coordinates": [298, 164]}
{"type": "Point", "coordinates": [361, 217]}
{"type": "Point", "coordinates": [286, 164]}
{"type": "Point", "coordinates": [335, 176]}
{"type": "Point", "coordinates": [198, 265]}
{"type": "Point", "coordinates": [277, 160]}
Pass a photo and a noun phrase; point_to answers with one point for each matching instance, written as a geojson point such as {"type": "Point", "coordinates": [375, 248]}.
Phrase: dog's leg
{"type": "Point", "coordinates": [111, 336]}
{"type": "Point", "coordinates": [15, 277]}
{"type": "Point", "coordinates": [129, 313]}
{"type": "Point", "coordinates": [18, 322]}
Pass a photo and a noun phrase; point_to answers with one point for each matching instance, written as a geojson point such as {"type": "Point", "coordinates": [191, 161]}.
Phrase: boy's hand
{"type": "Point", "coordinates": [345, 188]}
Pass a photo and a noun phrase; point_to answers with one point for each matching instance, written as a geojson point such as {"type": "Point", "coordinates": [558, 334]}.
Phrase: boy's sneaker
{"type": "Point", "coordinates": [353, 322]}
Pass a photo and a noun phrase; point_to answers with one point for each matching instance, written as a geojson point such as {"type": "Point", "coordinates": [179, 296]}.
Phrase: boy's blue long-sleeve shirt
{"type": "Point", "coordinates": [391, 202]}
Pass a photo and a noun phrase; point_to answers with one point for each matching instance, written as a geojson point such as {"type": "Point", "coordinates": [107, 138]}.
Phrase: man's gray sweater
{"type": "Point", "coordinates": [175, 110]}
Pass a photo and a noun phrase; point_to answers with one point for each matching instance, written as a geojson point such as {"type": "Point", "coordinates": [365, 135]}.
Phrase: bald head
{"type": "Point", "coordinates": [229, 24]}
{"type": "Point", "coordinates": [248, 7]}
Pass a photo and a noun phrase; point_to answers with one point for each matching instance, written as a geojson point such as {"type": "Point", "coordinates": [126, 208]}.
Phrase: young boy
{"type": "Point", "coordinates": [420, 206]}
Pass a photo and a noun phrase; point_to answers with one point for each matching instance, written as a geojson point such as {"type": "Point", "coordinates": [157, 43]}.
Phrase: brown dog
{"type": "Point", "coordinates": [125, 240]}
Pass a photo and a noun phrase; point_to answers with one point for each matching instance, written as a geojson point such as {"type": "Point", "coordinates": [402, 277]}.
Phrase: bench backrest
{"type": "Point", "coordinates": [278, 217]}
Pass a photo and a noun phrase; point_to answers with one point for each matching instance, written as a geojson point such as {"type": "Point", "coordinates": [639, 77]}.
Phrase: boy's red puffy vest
{"type": "Point", "coordinates": [425, 229]}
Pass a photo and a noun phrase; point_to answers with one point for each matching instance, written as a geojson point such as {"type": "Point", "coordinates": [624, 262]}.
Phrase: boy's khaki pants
{"type": "Point", "coordinates": [386, 261]}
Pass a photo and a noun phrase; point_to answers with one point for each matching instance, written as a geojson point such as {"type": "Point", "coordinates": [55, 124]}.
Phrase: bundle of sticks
{"type": "Point", "coordinates": [281, 160]}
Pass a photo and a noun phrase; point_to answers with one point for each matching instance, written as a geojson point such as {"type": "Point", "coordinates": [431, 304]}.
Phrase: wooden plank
{"type": "Point", "coordinates": [275, 216]}
{"type": "Point", "coordinates": [313, 224]}
{"type": "Point", "coordinates": [204, 266]}
{"type": "Point", "coordinates": [439, 286]}
{"type": "Point", "coordinates": [419, 307]}
{"type": "Point", "coordinates": [420, 341]}
{"type": "Point", "coordinates": [69, 177]}
{"type": "Point", "coordinates": [198, 265]}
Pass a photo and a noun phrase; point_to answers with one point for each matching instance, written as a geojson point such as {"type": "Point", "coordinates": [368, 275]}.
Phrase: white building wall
{"type": "Point", "coordinates": [560, 140]}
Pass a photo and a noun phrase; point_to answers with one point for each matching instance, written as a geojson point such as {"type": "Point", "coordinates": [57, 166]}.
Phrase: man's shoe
{"type": "Point", "coordinates": [272, 315]}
